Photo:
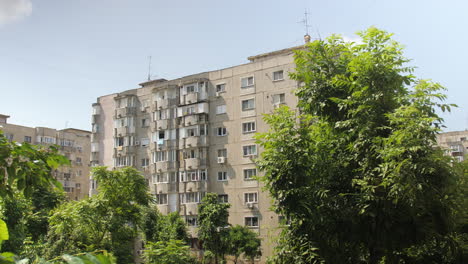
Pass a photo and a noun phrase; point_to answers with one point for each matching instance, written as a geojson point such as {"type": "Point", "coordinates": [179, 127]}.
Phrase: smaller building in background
{"type": "Point", "coordinates": [75, 144]}
{"type": "Point", "coordinates": [455, 143]}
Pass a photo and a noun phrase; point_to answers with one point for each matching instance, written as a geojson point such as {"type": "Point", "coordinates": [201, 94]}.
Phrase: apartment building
{"type": "Point", "coordinates": [455, 143]}
{"type": "Point", "coordinates": [73, 143]}
{"type": "Point", "coordinates": [194, 135]}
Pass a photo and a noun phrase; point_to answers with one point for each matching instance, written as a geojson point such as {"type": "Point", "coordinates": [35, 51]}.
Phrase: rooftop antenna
{"type": "Point", "coordinates": [149, 69]}
{"type": "Point", "coordinates": [306, 25]}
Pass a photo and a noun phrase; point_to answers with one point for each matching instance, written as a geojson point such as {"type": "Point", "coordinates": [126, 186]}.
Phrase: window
{"type": "Point", "coordinates": [251, 221]}
{"type": "Point", "coordinates": [203, 175]}
{"type": "Point", "coordinates": [144, 122]}
{"type": "Point", "coordinates": [248, 104]}
{"type": "Point", "coordinates": [251, 197]}
{"type": "Point", "coordinates": [190, 154]}
{"type": "Point", "coordinates": [27, 139]}
{"type": "Point", "coordinates": [190, 110]}
{"type": "Point", "coordinates": [247, 82]}
{"type": "Point", "coordinates": [192, 175]}
{"type": "Point", "coordinates": [159, 156]}
{"type": "Point", "coordinates": [9, 136]}
{"type": "Point", "coordinates": [160, 178]}
{"type": "Point", "coordinates": [144, 162]}
{"type": "Point", "coordinates": [221, 131]}
{"type": "Point", "coordinates": [191, 220]}
{"type": "Point", "coordinates": [249, 174]}
{"type": "Point", "coordinates": [78, 160]}
{"type": "Point", "coordinates": [193, 197]}
{"type": "Point", "coordinates": [119, 141]}
{"type": "Point", "coordinates": [222, 153]}
{"type": "Point", "coordinates": [278, 75]}
{"type": "Point", "coordinates": [248, 127]}
{"type": "Point", "coordinates": [191, 132]}
{"type": "Point", "coordinates": [190, 88]}
{"type": "Point", "coordinates": [145, 142]}
{"type": "Point", "coordinates": [161, 198]}
{"type": "Point", "coordinates": [250, 150]}
{"type": "Point", "coordinates": [222, 176]}
{"type": "Point", "coordinates": [279, 99]}
{"type": "Point", "coordinates": [221, 88]}
{"type": "Point", "coordinates": [220, 109]}
{"type": "Point", "coordinates": [223, 198]}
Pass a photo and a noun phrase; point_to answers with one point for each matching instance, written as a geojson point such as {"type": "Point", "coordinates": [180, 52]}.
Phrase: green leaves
{"type": "Point", "coordinates": [356, 171]}
{"type": "Point", "coordinates": [3, 231]}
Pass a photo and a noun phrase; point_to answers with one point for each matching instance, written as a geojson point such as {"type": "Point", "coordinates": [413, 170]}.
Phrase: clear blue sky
{"type": "Point", "coordinates": [58, 56]}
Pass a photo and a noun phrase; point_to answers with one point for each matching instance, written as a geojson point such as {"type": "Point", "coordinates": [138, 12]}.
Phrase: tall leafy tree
{"type": "Point", "coordinates": [357, 171]}
{"type": "Point", "coordinates": [106, 221]}
{"type": "Point", "coordinates": [213, 222]}
{"type": "Point", "coordinates": [243, 241]}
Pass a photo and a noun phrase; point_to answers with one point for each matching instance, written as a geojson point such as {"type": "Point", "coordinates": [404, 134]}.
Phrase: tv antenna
{"type": "Point", "coordinates": [305, 21]}
{"type": "Point", "coordinates": [149, 68]}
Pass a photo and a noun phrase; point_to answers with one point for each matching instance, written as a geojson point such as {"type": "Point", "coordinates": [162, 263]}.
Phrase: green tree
{"type": "Point", "coordinates": [158, 227]}
{"type": "Point", "coordinates": [243, 241]}
{"type": "Point", "coordinates": [24, 167]}
{"type": "Point", "coordinates": [212, 221]}
{"type": "Point", "coordinates": [169, 252]}
{"type": "Point", "coordinates": [357, 171]}
{"type": "Point", "coordinates": [106, 221]}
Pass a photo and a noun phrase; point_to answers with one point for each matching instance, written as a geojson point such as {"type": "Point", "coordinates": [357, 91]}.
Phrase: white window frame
{"type": "Point", "coordinates": [249, 221]}
{"type": "Point", "coordinates": [249, 127]}
{"type": "Point", "coordinates": [219, 151]}
{"type": "Point", "coordinates": [275, 77]}
{"type": "Point", "coordinates": [249, 106]}
{"type": "Point", "coordinates": [223, 198]}
{"type": "Point", "coordinates": [250, 197]}
{"type": "Point", "coordinates": [222, 176]}
{"type": "Point", "coordinates": [161, 198]}
{"type": "Point", "coordinates": [248, 175]}
{"type": "Point", "coordinates": [222, 87]}
{"type": "Point", "coordinates": [221, 131]}
{"type": "Point", "coordinates": [249, 150]}
{"type": "Point", "coordinates": [247, 82]}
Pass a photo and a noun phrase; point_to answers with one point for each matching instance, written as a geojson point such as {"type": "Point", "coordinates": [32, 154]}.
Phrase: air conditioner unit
{"type": "Point", "coordinates": [143, 109]}
{"type": "Point", "coordinates": [189, 189]}
{"type": "Point", "coordinates": [120, 148]}
{"type": "Point", "coordinates": [189, 122]}
{"type": "Point", "coordinates": [218, 94]}
{"type": "Point", "coordinates": [250, 205]}
{"type": "Point", "coordinates": [137, 143]}
{"type": "Point", "coordinates": [221, 160]}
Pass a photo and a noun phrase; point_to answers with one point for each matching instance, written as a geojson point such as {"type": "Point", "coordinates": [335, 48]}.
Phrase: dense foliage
{"type": "Point", "coordinates": [356, 170]}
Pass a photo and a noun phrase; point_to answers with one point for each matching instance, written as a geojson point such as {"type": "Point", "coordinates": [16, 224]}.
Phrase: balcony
{"type": "Point", "coordinates": [160, 166]}
{"type": "Point", "coordinates": [190, 120]}
{"type": "Point", "coordinates": [121, 131]}
{"type": "Point", "coordinates": [193, 186]}
{"type": "Point", "coordinates": [163, 144]}
{"type": "Point", "coordinates": [192, 142]}
{"type": "Point", "coordinates": [124, 150]}
{"type": "Point", "coordinates": [161, 103]}
{"type": "Point", "coordinates": [189, 98]}
{"type": "Point", "coordinates": [189, 209]}
{"type": "Point", "coordinates": [125, 111]}
{"type": "Point", "coordinates": [161, 187]}
{"type": "Point", "coordinates": [161, 124]}
{"type": "Point", "coordinates": [192, 163]}
{"type": "Point", "coordinates": [163, 208]}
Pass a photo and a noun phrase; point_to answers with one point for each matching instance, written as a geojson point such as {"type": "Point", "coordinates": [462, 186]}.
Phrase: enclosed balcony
{"type": "Point", "coordinates": [125, 111]}
{"type": "Point", "coordinates": [163, 208]}
{"type": "Point", "coordinates": [162, 124]}
{"type": "Point", "coordinates": [192, 142]}
{"type": "Point", "coordinates": [122, 131]}
{"type": "Point", "coordinates": [161, 103]}
{"type": "Point", "coordinates": [124, 150]}
{"type": "Point", "coordinates": [193, 163]}
{"type": "Point", "coordinates": [161, 166]}
{"type": "Point", "coordinates": [193, 186]}
{"type": "Point", "coordinates": [163, 144]}
{"type": "Point", "coordinates": [189, 98]}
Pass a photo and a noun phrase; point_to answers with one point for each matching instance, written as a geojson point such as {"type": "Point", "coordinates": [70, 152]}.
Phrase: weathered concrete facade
{"type": "Point", "coordinates": [73, 143]}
